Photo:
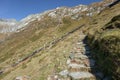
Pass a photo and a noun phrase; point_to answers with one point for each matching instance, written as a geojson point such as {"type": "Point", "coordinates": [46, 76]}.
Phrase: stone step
{"type": "Point", "coordinates": [77, 61]}
{"type": "Point", "coordinates": [80, 69]}
{"type": "Point", "coordinates": [80, 43]}
{"type": "Point", "coordinates": [84, 48]}
{"type": "Point", "coordinates": [79, 48]}
{"type": "Point", "coordinates": [79, 56]}
{"type": "Point", "coordinates": [86, 62]}
{"type": "Point", "coordinates": [82, 76]}
{"type": "Point", "coordinates": [82, 52]}
{"type": "Point", "coordinates": [74, 65]}
{"type": "Point", "coordinates": [79, 51]}
{"type": "Point", "coordinates": [81, 65]}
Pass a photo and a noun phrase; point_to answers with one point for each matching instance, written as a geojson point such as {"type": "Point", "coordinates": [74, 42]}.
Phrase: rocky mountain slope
{"type": "Point", "coordinates": [47, 31]}
{"type": "Point", "coordinates": [77, 12]}
{"type": "Point", "coordinates": [7, 25]}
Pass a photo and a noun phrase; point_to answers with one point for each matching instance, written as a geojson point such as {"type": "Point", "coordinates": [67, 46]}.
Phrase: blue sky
{"type": "Point", "coordinates": [19, 9]}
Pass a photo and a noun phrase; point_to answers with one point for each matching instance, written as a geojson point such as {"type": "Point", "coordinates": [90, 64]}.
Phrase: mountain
{"type": "Point", "coordinates": [39, 45]}
{"type": "Point", "coordinates": [76, 12]}
{"type": "Point", "coordinates": [7, 25]}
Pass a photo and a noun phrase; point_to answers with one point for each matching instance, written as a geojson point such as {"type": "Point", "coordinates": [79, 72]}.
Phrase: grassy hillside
{"type": "Point", "coordinates": [35, 36]}
{"type": "Point", "coordinates": [105, 42]}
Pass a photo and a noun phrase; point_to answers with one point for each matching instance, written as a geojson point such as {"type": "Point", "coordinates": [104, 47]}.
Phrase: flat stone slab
{"type": "Point", "coordinates": [77, 61]}
{"type": "Point", "coordinates": [74, 65]}
{"type": "Point", "coordinates": [81, 69]}
{"type": "Point", "coordinates": [81, 75]}
{"type": "Point", "coordinates": [81, 56]}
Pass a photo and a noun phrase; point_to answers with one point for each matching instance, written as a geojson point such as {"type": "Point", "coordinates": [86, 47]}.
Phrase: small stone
{"type": "Point", "coordinates": [64, 73]}
{"type": "Point", "coordinates": [68, 61]}
{"type": "Point", "coordinates": [71, 56]}
{"type": "Point", "coordinates": [53, 77]}
{"type": "Point", "coordinates": [80, 43]}
{"type": "Point", "coordinates": [19, 78]}
{"type": "Point", "coordinates": [22, 78]}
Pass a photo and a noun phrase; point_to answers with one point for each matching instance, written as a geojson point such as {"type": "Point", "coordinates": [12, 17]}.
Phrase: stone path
{"type": "Point", "coordinates": [81, 65]}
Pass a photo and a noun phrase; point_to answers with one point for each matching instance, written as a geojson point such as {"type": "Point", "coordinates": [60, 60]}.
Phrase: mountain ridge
{"type": "Point", "coordinates": [75, 12]}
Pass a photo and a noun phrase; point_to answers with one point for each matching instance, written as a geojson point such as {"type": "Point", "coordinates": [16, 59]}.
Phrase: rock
{"type": "Point", "coordinates": [68, 61]}
{"type": "Point", "coordinates": [53, 77]}
{"type": "Point", "coordinates": [80, 43]}
{"type": "Point", "coordinates": [74, 65]}
{"type": "Point", "coordinates": [81, 76]}
{"type": "Point", "coordinates": [64, 73]}
{"type": "Point", "coordinates": [19, 78]}
{"type": "Point", "coordinates": [71, 56]}
{"type": "Point", "coordinates": [22, 78]}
